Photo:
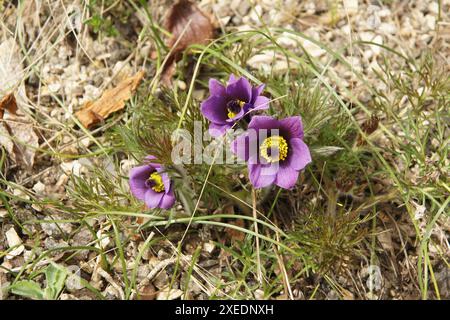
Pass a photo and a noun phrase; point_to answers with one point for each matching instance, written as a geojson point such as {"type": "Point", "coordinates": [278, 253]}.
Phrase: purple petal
{"type": "Point", "coordinates": [240, 89]}
{"type": "Point", "coordinates": [138, 177]}
{"type": "Point", "coordinates": [256, 92]}
{"type": "Point", "coordinates": [215, 109]}
{"type": "Point", "coordinates": [299, 155]}
{"type": "Point", "coordinates": [286, 177]}
{"type": "Point", "coordinates": [166, 181]}
{"type": "Point", "coordinates": [216, 88]}
{"type": "Point", "coordinates": [261, 103]}
{"type": "Point", "coordinates": [263, 122]}
{"type": "Point", "coordinates": [294, 126]}
{"type": "Point", "coordinates": [217, 130]}
{"type": "Point", "coordinates": [245, 146]}
{"type": "Point", "coordinates": [261, 176]}
{"type": "Point", "coordinates": [168, 200]}
{"type": "Point", "coordinates": [232, 79]}
{"type": "Point", "coordinates": [152, 198]}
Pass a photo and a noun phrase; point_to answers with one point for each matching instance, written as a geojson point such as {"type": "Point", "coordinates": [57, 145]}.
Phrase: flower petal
{"type": "Point", "coordinates": [232, 79]}
{"type": "Point", "coordinates": [286, 177]}
{"type": "Point", "coordinates": [138, 177]}
{"type": "Point", "coordinates": [240, 89]}
{"type": "Point", "coordinates": [152, 198]}
{"type": "Point", "coordinates": [215, 109]}
{"type": "Point", "coordinates": [166, 181]}
{"type": "Point", "coordinates": [293, 126]}
{"type": "Point", "coordinates": [263, 122]}
{"type": "Point", "coordinates": [256, 92]}
{"type": "Point", "coordinates": [261, 176]}
{"type": "Point", "coordinates": [216, 88]}
{"type": "Point", "coordinates": [261, 103]}
{"type": "Point", "coordinates": [299, 155]}
{"type": "Point", "coordinates": [217, 130]}
{"type": "Point", "coordinates": [168, 200]}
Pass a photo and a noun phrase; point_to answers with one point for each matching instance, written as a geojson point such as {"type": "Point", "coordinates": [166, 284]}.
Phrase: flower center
{"type": "Point", "coordinates": [274, 149]}
{"type": "Point", "coordinates": [233, 107]}
{"type": "Point", "coordinates": [155, 182]}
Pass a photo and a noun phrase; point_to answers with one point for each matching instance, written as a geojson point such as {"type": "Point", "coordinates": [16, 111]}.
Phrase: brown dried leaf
{"type": "Point", "coordinates": [236, 235]}
{"type": "Point", "coordinates": [20, 141]}
{"type": "Point", "coordinates": [188, 25]}
{"type": "Point", "coordinates": [111, 101]}
{"type": "Point", "coordinates": [9, 103]}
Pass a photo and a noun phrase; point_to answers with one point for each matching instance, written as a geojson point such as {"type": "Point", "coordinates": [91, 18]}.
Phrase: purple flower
{"type": "Point", "coordinates": [151, 184]}
{"type": "Point", "coordinates": [227, 104]}
{"type": "Point", "coordinates": [274, 150]}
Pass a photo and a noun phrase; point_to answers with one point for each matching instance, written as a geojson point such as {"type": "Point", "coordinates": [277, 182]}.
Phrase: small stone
{"type": "Point", "coordinates": [181, 85]}
{"type": "Point", "coordinates": [72, 167]}
{"type": "Point", "coordinates": [351, 6]}
{"type": "Point", "coordinates": [169, 294]}
{"type": "Point", "coordinates": [39, 187]}
{"type": "Point", "coordinates": [208, 246]}
{"type": "Point", "coordinates": [73, 283]}
{"type": "Point", "coordinates": [13, 240]}
{"type": "Point", "coordinates": [54, 87]}
{"type": "Point", "coordinates": [148, 292]}
{"type": "Point", "coordinates": [430, 21]}
{"type": "Point", "coordinates": [388, 28]}
{"type": "Point", "coordinates": [161, 280]}
{"type": "Point", "coordinates": [259, 294]}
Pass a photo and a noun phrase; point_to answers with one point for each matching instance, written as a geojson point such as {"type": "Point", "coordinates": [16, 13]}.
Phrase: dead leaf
{"type": "Point", "coordinates": [386, 242]}
{"type": "Point", "coordinates": [188, 25]}
{"type": "Point", "coordinates": [20, 141]}
{"type": "Point", "coordinates": [11, 71]}
{"type": "Point", "coordinates": [111, 101]}
{"type": "Point", "coordinates": [236, 235]}
{"type": "Point", "coordinates": [9, 103]}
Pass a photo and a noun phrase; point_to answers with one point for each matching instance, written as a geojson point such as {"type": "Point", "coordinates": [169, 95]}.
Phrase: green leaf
{"type": "Point", "coordinates": [28, 288]}
{"type": "Point", "coordinates": [55, 276]}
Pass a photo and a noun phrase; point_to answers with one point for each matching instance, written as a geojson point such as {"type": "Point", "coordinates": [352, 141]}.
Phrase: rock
{"type": "Point", "coordinates": [13, 240]}
{"type": "Point", "coordinates": [208, 246]}
{"type": "Point", "coordinates": [50, 243]}
{"type": "Point", "coordinates": [72, 167]}
{"type": "Point", "coordinates": [351, 6]}
{"type": "Point", "coordinates": [39, 187]}
{"type": "Point", "coordinates": [54, 87]}
{"type": "Point", "coordinates": [142, 272]}
{"type": "Point", "coordinates": [312, 49]}
{"type": "Point", "coordinates": [147, 292]}
{"type": "Point", "coordinates": [169, 294]}
{"type": "Point", "coordinates": [73, 283]}
{"type": "Point", "coordinates": [161, 280]}
{"type": "Point", "coordinates": [388, 28]}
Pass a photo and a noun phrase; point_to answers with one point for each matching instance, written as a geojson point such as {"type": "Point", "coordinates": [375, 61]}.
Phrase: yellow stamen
{"type": "Point", "coordinates": [277, 142]}
{"type": "Point", "coordinates": [157, 179]}
{"type": "Point", "coordinates": [231, 114]}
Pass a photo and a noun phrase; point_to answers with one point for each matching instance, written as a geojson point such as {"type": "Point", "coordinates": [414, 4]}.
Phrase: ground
{"type": "Point", "coordinates": [367, 219]}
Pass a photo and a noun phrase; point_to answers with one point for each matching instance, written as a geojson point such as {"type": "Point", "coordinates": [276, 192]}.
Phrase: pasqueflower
{"type": "Point", "coordinates": [274, 151]}
{"type": "Point", "coordinates": [228, 104]}
{"type": "Point", "coordinates": [152, 185]}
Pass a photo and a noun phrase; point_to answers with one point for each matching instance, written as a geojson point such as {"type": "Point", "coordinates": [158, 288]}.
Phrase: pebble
{"type": "Point", "coordinates": [14, 241]}
{"type": "Point", "coordinates": [351, 6]}
{"type": "Point", "coordinates": [39, 187]}
{"type": "Point", "coordinates": [169, 294]}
